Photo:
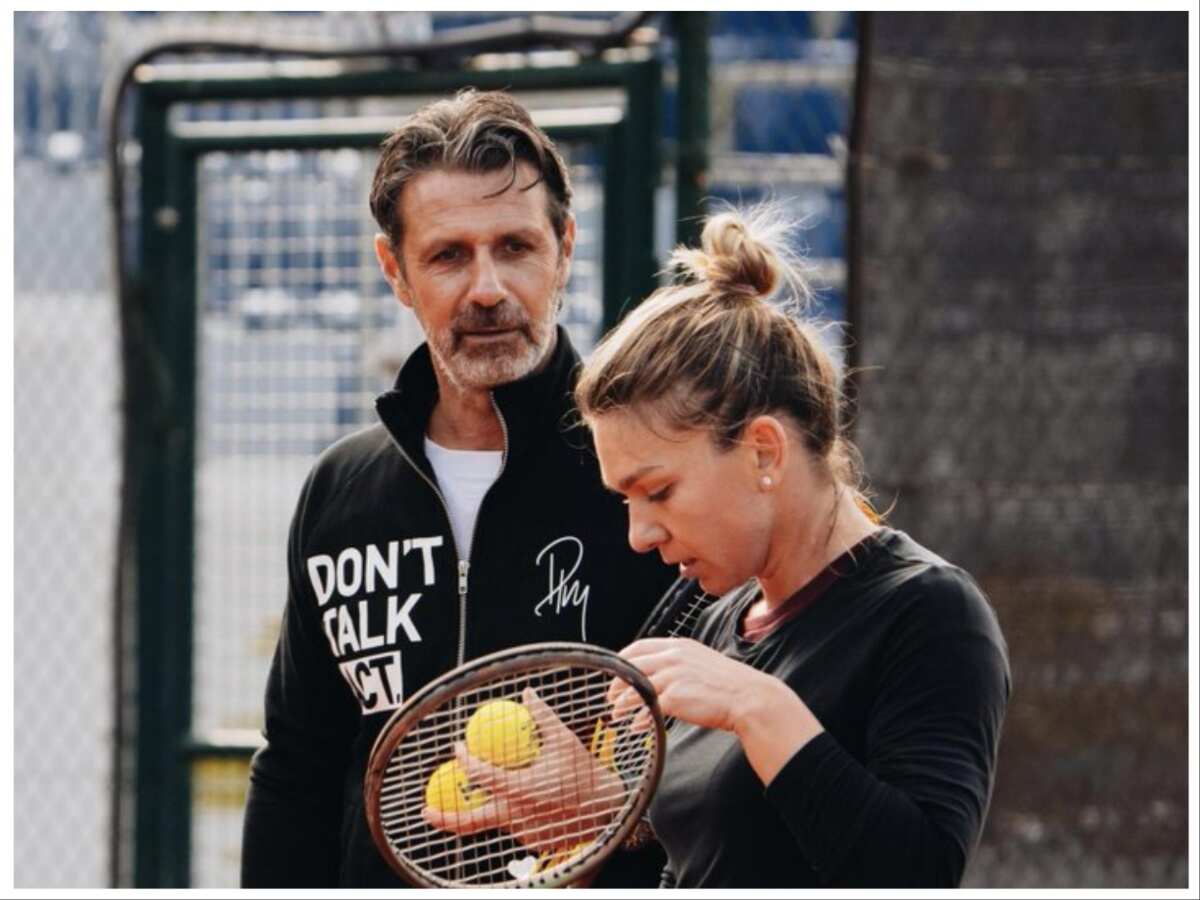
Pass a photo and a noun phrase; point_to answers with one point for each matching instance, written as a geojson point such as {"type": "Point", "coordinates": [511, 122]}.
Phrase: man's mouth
{"type": "Point", "coordinates": [488, 335]}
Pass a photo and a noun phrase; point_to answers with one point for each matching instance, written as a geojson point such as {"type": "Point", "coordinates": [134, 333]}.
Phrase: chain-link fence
{"type": "Point", "coordinates": [67, 423]}
{"type": "Point", "coordinates": [66, 461]}
{"type": "Point", "coordinates": [297, 332]}
{"type": "Point", "coordinates": [780, 100]}
{"type": "Point", "coordinates": [1024, 290]}
{"type": "Point", "coordinates": [1013, 257]}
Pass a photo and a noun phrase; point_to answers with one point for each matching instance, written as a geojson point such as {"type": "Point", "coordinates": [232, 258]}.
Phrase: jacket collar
{"type": "Point", "coordinates": [528, 405]}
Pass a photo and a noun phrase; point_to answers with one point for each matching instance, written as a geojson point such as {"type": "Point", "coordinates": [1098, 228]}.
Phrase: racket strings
{"type": "Point", "coordinates": [572, 689]}
{"type": "Point", "coordinates": [571, 787]}
{"type": "Point", "coordinates": [683, 624]}
{"type": "Point", "coordinates": [569, 831]}
{"type": "Point", "coordinates": [685, 621]}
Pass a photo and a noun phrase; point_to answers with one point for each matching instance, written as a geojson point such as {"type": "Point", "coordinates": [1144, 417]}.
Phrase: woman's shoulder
{"type": "Point", "coordinates": [933, 620]}
{"type": "Point", "coordinates": [930, 591]}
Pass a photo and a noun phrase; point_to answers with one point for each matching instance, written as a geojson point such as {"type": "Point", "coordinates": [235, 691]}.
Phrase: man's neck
{"type": "Point", "coordinates": [465, 419]}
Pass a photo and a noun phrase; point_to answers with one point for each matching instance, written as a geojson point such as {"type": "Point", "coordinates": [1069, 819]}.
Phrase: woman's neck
{"type": "Point", "coordinates": [808, 537]}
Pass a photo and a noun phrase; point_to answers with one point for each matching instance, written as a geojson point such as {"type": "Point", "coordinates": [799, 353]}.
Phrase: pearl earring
{"type": "Point", "coordinates": [766, 482]}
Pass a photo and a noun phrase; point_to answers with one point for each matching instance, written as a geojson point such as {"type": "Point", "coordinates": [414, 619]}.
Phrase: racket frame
{"type": "Point", "coordinates": [475, 673]}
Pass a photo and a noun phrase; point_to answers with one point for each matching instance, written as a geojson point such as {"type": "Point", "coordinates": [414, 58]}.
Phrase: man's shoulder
{"type": "Point", "coordinates": [354, 450]}
{"type": "Point", "coordinates": [349, 457]}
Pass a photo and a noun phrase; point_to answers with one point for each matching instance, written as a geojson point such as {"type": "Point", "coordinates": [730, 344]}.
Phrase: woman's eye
{"type": "Point", "coordinates": [660, 495]}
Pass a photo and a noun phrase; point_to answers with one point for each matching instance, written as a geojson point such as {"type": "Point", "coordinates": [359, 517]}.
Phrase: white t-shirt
{"type": "Point", "coordinates": [464, 477]}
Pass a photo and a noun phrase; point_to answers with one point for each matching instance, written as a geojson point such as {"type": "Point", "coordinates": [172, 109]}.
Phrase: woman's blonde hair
{"type": "Point", "coordinates": [712, 352]}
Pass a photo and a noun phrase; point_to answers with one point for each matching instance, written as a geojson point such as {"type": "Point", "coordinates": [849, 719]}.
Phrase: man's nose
{"type": "Point", "coordinates": [644, 533]}
{"type": "Point", "coordinates": [486, 288]}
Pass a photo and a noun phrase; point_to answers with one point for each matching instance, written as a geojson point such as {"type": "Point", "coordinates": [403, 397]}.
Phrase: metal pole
{"type": "Point", "coordinates": [691, 160]}
{"type": "Point", "coordinates": [854, 174]}
{"type": "Point", "coordinates": [643, 174]}
{"type": "Point", "coordinates": [164, 423]}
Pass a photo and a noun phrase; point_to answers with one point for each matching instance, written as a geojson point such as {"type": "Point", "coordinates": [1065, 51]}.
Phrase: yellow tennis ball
{"type": "Point", "coordinates": [503, 733]}
{"type": "Point", "coordinates": [449, 790]}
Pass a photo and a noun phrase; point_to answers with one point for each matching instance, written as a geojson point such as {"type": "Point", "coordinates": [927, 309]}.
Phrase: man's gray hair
{"type": "Point", "coordinates": [473, 131]}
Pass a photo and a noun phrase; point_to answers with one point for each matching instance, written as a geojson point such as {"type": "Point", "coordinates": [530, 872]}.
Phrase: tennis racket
{"type": "Point", "coordinates": [678, 611]}
{"type": "Point", "coordinates": [508, 772]}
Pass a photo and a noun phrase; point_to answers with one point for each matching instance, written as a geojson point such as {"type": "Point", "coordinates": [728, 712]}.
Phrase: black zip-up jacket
{"type": "Point", "coordinates": [380, 602]}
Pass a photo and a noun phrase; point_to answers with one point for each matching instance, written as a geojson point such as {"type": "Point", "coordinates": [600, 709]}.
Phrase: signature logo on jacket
{"type": "Point", "coordinates": [563, 557]}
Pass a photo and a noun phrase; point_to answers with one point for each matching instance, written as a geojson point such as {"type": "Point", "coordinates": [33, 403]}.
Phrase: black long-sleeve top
{"type": "Point", "coordinates": [903, 662]}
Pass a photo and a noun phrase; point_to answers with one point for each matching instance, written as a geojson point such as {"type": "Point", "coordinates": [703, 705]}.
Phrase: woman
{"type": "Point", "coordinates": [840, 708]}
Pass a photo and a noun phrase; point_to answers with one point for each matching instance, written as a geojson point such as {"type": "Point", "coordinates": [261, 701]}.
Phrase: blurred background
{"type": "Point", "coordinates": [995, 211]}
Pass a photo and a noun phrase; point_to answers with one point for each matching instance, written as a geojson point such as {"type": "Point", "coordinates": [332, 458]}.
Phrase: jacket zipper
{"type": "Point", "coordinates": [464, 565]}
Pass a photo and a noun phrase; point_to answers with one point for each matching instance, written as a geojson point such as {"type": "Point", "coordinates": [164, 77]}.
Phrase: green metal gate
{"type": "Point", "coordinates": [206, 479]}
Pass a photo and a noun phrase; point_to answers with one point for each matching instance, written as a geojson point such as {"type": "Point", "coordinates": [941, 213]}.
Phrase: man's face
{"type": "Point", "coordinates": [482, 271]}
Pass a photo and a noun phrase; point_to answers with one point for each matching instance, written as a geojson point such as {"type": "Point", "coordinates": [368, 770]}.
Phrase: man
{"type": "Point", "coordinates": [470, 519]}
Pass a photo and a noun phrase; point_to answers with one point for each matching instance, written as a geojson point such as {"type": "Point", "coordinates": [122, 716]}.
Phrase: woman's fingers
{"type": "Point", "coordinates": [466, 822]}
{"type": "Point", "coordinates": [641, 722]}
{"type": "Point", "coordinates": [549, 725]}
{"type": "Point", "coordinates": [657, 659]}
{"type": "Point", "coordinates": [625, 699]}
{"type": "Point", "coordinates": [556, 738]}
{"type": "Point", "coordinates": [693, 682]}
{"type": "Point", "coordinates": [484, 774]}
{"type": "Point", "coordinates": [641, 653]}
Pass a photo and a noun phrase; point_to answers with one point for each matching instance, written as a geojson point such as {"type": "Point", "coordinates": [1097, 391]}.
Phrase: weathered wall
{"type": "Point", "coordinates": [1023, 291]}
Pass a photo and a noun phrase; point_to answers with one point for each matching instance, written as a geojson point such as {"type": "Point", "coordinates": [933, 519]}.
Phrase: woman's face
{"type": "Point", "coordinates": [700, 507]}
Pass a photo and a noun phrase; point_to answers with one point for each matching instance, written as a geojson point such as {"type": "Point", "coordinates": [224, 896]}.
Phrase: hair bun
{"type": "Point", "coordinates": [733, 259]}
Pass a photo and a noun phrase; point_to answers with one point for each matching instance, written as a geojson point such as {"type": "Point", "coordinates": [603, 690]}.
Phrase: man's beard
{"type": "Point", "coordinates": [474, 364]}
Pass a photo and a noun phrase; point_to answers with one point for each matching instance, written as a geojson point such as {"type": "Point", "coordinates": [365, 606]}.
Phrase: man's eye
{"type": "Point", "coordinates": [448, 255]}
{"type": "Point", "coordinates": [515, 246]}
{"type": "Point", "coordinates": [661, 495]}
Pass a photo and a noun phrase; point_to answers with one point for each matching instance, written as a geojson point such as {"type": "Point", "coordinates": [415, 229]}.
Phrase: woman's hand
{"type": "Point", "coordinates": [694, 683]}
{"type": "Point", "coordinates": [697, 684]}
{"type": "Point", "coordinates": [563, 798]}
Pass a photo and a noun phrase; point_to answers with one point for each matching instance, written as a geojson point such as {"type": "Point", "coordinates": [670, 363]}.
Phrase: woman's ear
{"type": "Point", "coordinates": [767, 442]}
